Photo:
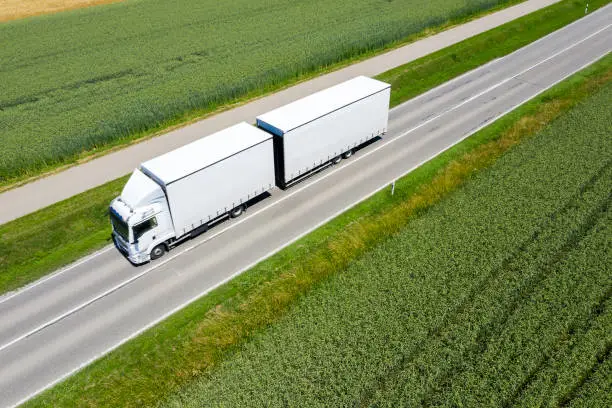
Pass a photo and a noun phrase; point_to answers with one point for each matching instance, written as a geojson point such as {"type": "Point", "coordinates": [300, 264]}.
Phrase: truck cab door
{"type": "Point", "coordinates": [145, 234]}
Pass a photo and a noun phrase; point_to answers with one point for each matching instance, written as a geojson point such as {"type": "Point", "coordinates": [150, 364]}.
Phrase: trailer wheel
{"type": "Point", "coordinates": [337, 159]}
{"type": "Point", "coordinates": [347, 154]}
{"type": "Point", "coordinates": [237, 211]}
{"type": "Point", "coordinates": [158, 252]}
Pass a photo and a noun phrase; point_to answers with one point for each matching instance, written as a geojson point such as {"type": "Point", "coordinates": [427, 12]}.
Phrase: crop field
{"type": "Point", "coordinates": [499, 295]}
{"type": "Point", "coordinates": [81, 79]}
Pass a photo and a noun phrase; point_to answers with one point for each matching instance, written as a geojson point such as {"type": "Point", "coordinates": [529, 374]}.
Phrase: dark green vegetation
{"type": "Point", "coordinates": [194, 342]}
{"type": "Point", "coordinates": [94, 228]}
{"type": "Point", "coordinates": [79, 80]}
{"type": "Point", "coordinates": [498, 295]}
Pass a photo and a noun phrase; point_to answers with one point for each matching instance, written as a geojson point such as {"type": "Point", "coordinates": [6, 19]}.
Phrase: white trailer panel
{"type": "Point", "coordinates": [315, 129]}
{"type": "Point", "coordinates": [204, 152]}
{"type": "Point", "coordinates": [209, 177]}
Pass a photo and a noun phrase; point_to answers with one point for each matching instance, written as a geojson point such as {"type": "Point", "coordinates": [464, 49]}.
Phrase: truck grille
{"type": "Point", "coordinates": [121, 246]}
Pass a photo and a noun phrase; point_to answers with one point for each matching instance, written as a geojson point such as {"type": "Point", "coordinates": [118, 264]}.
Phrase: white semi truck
{"type": "Point", "coordinates": [182, 193]}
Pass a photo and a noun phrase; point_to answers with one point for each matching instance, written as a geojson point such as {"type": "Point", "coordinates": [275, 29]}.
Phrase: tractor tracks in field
{"type": "Point", "coordinates": [544, 259]}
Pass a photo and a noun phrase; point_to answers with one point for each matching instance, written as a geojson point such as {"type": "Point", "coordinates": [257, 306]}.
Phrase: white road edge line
{"type": "Point", "coordinates": [176, 309]}
{"type": "Point", "coordinates": [327, 174]}
{"type": "Point", "coordinates": [73, 265]}
{"type": "Point", "coordinates": [105, 249]}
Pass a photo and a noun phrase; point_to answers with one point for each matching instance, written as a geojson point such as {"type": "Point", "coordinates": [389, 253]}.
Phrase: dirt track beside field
{"type": "Point", "coordinates": [16, 9]}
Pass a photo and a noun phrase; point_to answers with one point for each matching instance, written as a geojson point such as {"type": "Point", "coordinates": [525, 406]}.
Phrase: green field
{"type": "Point", "coordinates": [497, 296]}
{"type": "Point", "coordinates": [82, 79]}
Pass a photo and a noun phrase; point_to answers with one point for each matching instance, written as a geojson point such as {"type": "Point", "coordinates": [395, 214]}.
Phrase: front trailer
{"type": "Point", "coordinates": [181, 193]}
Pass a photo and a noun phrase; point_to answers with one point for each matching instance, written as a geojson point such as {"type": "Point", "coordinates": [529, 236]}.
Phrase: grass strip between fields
{"type": "Point", "coordinates": [39, 243]}
{"type": "Point", "coordinates": [192, 342]}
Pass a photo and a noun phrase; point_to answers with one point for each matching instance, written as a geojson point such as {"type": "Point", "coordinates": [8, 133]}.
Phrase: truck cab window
{"type": "Point", "coordinates": [143, 227]}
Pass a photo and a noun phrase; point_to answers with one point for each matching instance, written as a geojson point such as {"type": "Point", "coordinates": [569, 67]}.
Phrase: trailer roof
{"type": "Point", "coordinates": [305, 110]}
{"type": "Point", "coordinates": [204, 152]}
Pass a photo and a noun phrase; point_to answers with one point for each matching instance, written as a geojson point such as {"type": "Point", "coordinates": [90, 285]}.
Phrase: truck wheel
{"type": "Point", "coordinates": [237, 211]}
{"type": "Point", "coordinates": [348, 154]}
{"type": "Point", "coordinates": [158, 251]}
{"type": "Point", "coordinates": [337, 159]}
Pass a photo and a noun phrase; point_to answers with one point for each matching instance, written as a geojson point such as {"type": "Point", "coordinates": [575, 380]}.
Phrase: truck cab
{"type": "Point", "coordinates": [141, 221]}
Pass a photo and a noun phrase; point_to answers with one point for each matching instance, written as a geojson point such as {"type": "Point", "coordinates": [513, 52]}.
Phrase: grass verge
{"type": "Point", "coordinates": [61, 233]}
{"type": "Point", "coordinates": [41, 242]}
{"type": "Point", "coordinates": [193, 341]}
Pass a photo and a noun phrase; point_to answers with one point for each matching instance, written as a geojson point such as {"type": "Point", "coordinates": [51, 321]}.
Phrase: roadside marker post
{"type": "Point", "coordinates": [393, 187]}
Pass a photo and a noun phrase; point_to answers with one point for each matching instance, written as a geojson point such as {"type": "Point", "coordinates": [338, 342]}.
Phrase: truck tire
{"type": "Point", "coordinates": [337, 159]}
{"type": "Point", "coordinates": [158, 252]}
{"type": "Point", "coordinates": [237, 211]}
{"type": "Point", "coordinates": [348, 154]}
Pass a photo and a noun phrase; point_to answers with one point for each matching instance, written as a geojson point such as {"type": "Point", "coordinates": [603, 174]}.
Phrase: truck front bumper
{"type": "Point", "coordinates": [137, 258]}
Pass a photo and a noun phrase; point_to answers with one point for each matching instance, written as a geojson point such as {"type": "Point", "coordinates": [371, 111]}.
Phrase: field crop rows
{"type": "Point", "coordinates": [499, 295]}
{"type": "Point", "coordinates": [78, 80]}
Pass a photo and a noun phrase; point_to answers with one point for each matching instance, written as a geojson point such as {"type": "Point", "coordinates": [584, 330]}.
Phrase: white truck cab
{"type": "Point", "coordinates": [179, 194]}
{"type": "Point", "coordinates": [141, 220]}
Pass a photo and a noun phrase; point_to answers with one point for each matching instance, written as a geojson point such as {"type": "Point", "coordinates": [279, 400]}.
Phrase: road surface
{"type": "Point", "coordinates": [49, 190]}
{"type": "Point", "coordinates": [62, 323]}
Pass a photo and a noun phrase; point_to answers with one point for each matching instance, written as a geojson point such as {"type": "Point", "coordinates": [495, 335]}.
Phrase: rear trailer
{"type": "Point", "coordinates": [318, 129]}
{"type": "Point", "coordinates": [209, 178]}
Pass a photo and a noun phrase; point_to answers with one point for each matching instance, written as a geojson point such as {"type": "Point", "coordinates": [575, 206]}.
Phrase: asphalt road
{"type": "Point", "coordinates": [62, 323]}
{"type": "Point", "coordinates": [46, 191]}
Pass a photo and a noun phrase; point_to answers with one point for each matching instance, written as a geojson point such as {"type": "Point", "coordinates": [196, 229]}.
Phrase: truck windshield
{"type": "Point", "coordinates": [119, 226]}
